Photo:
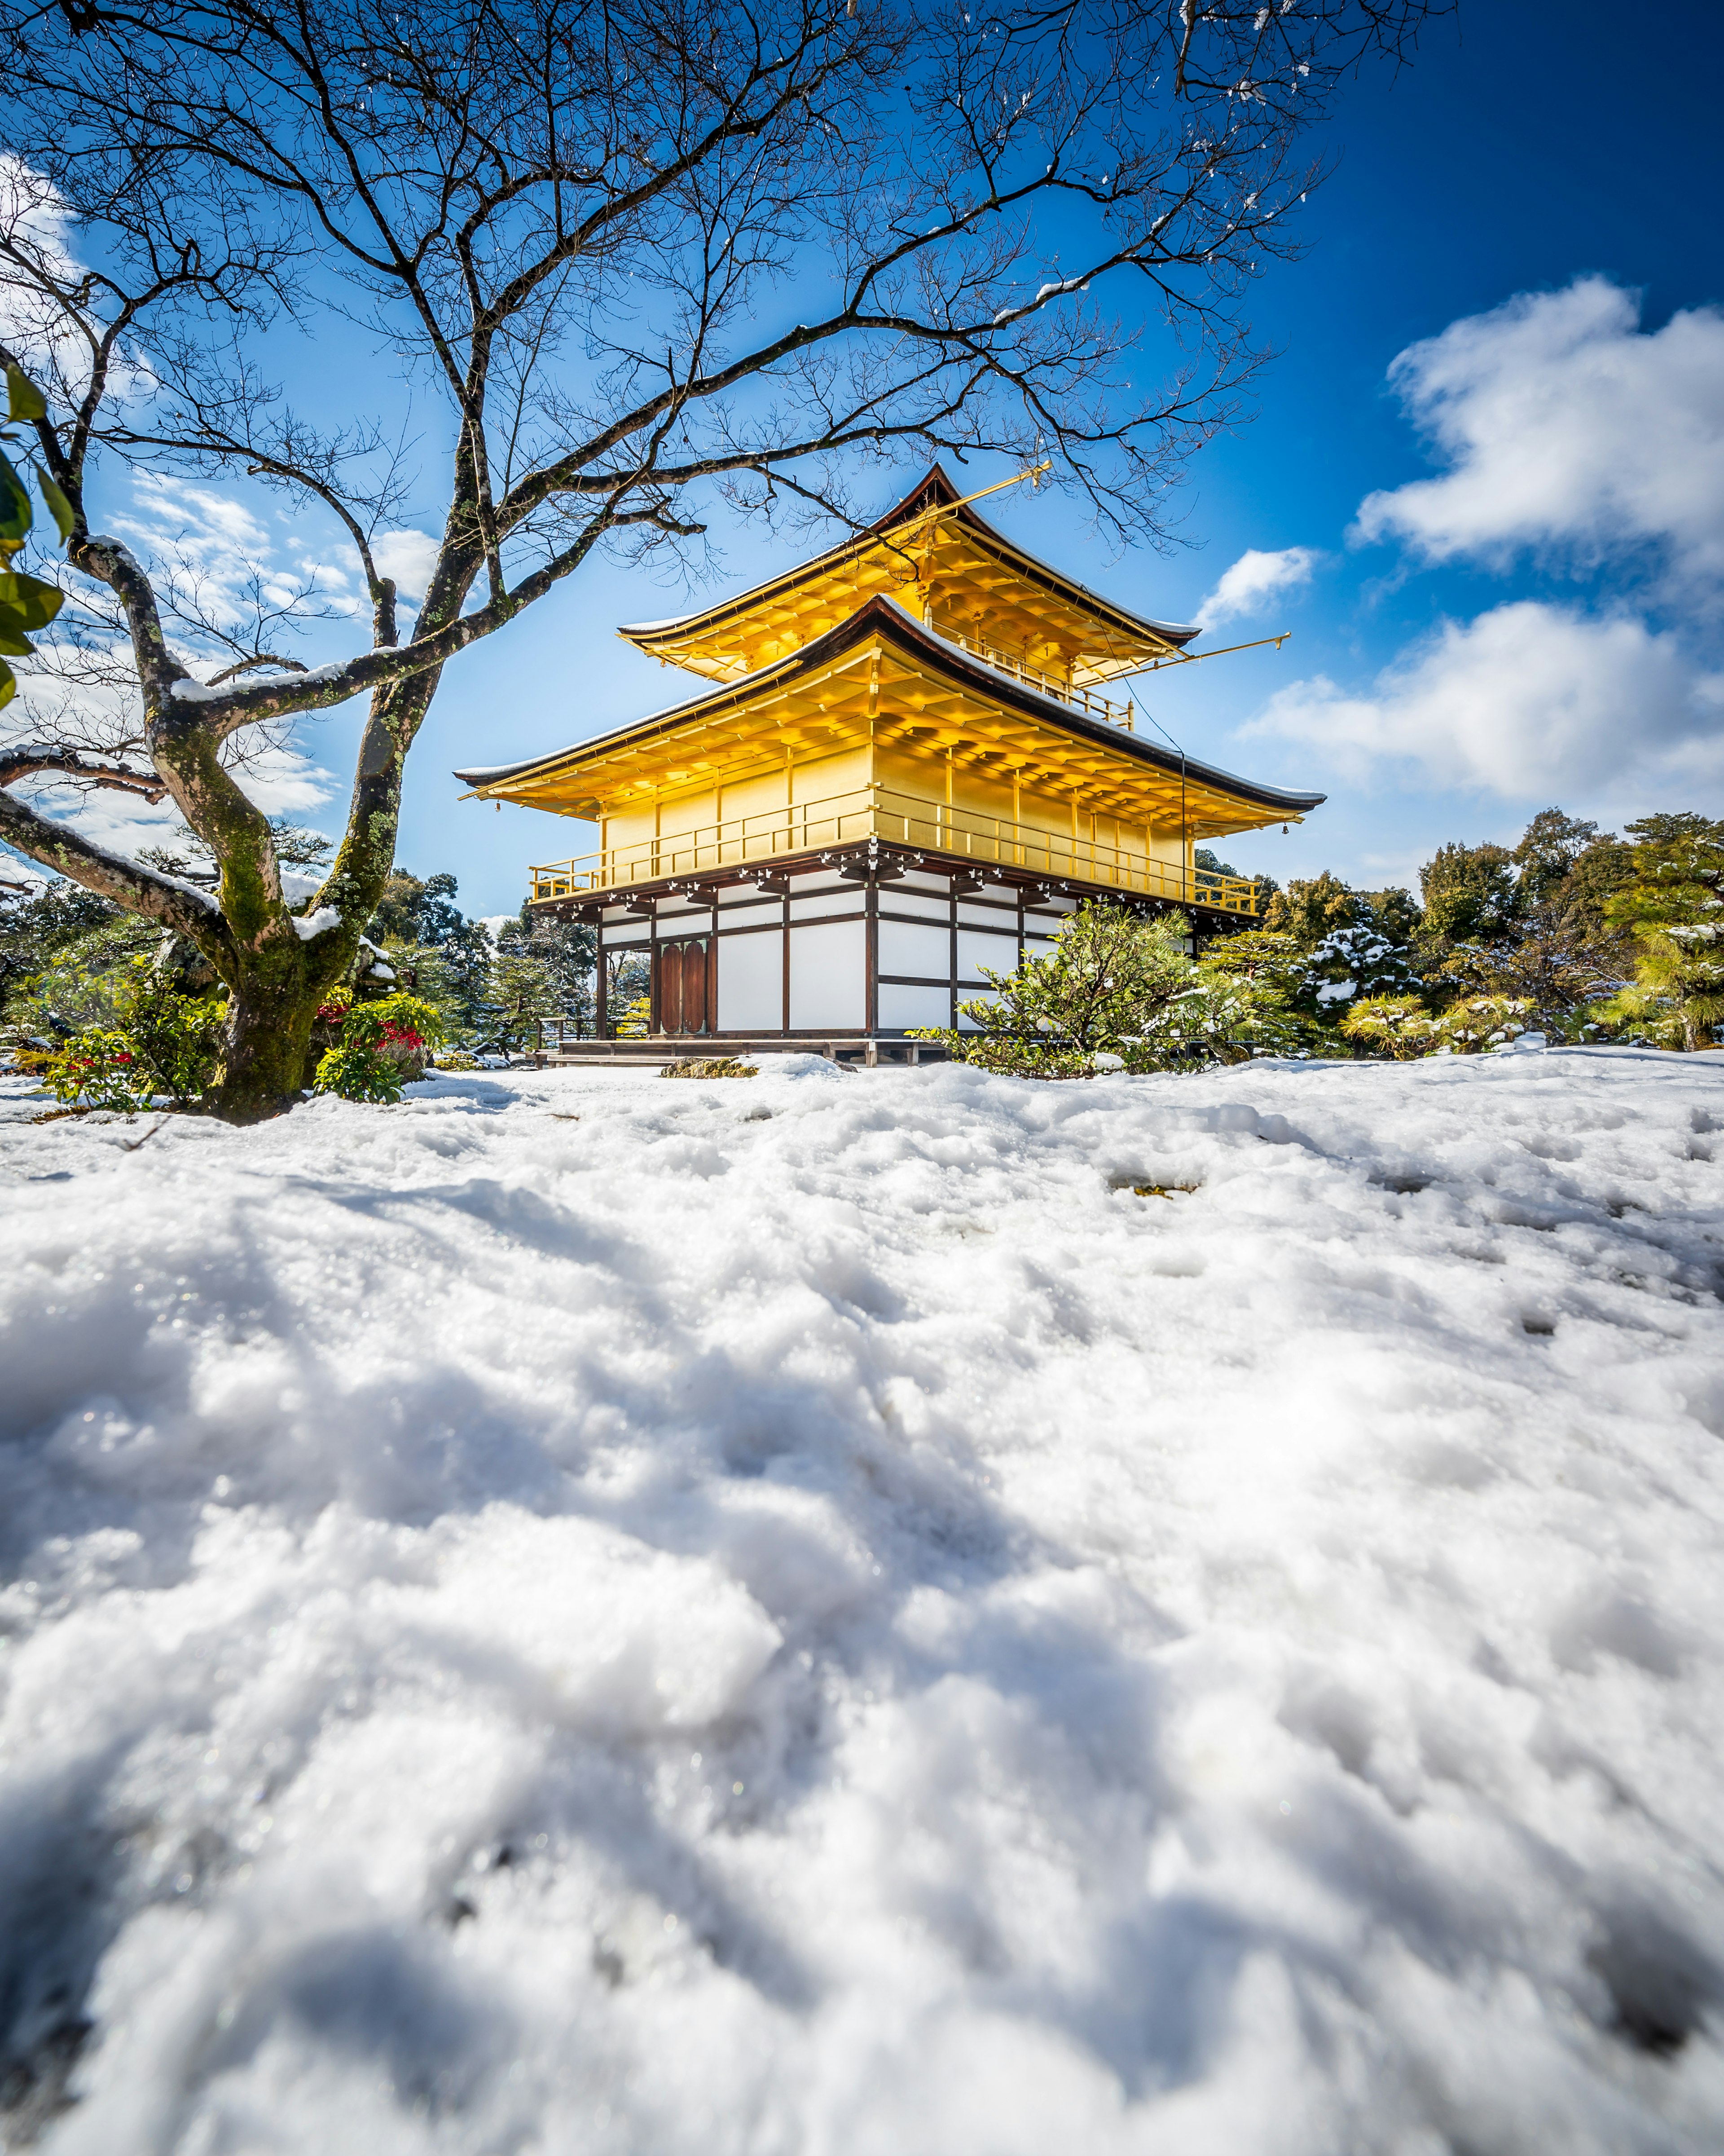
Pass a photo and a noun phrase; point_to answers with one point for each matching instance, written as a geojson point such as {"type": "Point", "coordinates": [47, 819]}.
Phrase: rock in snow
{"type": "Point", "coordinates": [871, 1614]}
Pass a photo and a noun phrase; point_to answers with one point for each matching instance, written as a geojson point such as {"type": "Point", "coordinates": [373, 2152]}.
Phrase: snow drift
{"type": "Point", "coordinates": [870, 1613]}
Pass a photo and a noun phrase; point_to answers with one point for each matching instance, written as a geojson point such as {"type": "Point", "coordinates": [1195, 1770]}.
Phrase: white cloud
{"type": "Point", "coordinates": [1526, 700]}
{"type": "Point", "coordinates": [207, 536]}
{"type": "Point", "coordinates": [1254, 579]}
{"type": "Point", "coordinates": [283, 780]}
{"type": "Point", "coordinates": [40, 231]}
{"type": "Point", "coordinates": [34, 220]}
{"type": "Point", "coordinates": [1567, 428]}
{"type": "Point", "coordinates": [409, 556]}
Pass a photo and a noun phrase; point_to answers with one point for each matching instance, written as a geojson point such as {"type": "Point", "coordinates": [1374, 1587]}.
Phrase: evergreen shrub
{"type": "Point", "coordinates": [382, 1046]}
{"type": "Point", "coordinates": [153, 1042]}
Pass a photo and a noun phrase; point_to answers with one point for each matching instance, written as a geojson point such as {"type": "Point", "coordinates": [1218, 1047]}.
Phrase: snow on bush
{"type": "Point", "coordinates": [806, 1614]}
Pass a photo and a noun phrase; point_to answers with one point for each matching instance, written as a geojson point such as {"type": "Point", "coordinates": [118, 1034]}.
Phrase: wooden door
{"type": "Point", "coordinates": [682, 985]}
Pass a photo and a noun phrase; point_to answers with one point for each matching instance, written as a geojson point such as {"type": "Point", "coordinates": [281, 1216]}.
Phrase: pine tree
{"type": "Point", "coordinates": [1347, 944]}
{"type": "Point", "coordinates": [1311, 909]}
{"type": "Point", "coordinates": [1674, 906]}
{"type": "Point", "coordinates": [1549, 848]}
{"type": "Point", "coordinates": [1470, 893]}
{"type": "Point", "coordinates": [568, 952]}
{"type": "Point", "coordinates": [523, 994]}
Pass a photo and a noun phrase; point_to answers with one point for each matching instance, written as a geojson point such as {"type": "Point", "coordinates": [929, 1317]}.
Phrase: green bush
{"type": "Point", "coordinates": [152, 1042]}
{"type": "Point", "coordinates": [1119, 990]}
{"type": "Point", "coordinates": [711, 1066]}
{"type": "Point", "coordinates": [1402, 1027]}
{"type": "Point", "coordinates": [379, 1045]}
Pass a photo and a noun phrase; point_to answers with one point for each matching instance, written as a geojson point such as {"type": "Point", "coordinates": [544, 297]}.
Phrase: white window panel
{"type": "Point", "coordinates": [973, 996]}
{"type": "Point", "coordinates": [902, 1007]}
{"type": "Point", "coordinates": [905, 948]}
{"type": "Point", "coordinates": [750, 983]}
{"type": "Point", "coordinates": [975, 951]}
{"type": "Point", "coordinates": [737, 896]}
{"type": "Point", "coordinates": [829, 966]}
{"type": "Point", "coordinates": [846, 899]}
{"type": "Point", "coordinates": [988, 916]}
{"type": "Point", "coordinates": [637, 940]}
{"type": "Point", "coordinates": [895, 899]}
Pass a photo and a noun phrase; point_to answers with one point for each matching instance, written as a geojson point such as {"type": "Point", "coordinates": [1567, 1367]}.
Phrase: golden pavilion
{"type": "Point", "coordinates": [905, 764]}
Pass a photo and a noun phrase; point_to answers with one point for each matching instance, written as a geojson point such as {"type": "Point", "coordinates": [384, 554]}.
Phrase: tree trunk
{"type": "Point", "coordinates": [266, 1062]}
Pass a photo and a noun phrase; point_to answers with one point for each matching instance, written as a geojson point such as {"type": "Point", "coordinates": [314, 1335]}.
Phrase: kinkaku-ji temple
{"type": "Point", "coordinates": [906, 768]}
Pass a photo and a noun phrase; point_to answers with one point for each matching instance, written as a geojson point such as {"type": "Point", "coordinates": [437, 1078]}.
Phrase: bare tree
{"type": "Point", "coordinates": [629, 251]}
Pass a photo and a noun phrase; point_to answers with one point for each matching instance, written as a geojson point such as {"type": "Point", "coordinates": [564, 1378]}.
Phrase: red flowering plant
{"type": "Point", "coordinates": [381, 1048]}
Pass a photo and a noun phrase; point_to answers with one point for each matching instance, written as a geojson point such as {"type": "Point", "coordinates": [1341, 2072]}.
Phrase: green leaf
{"type": "Point", "coordinates": [24, 400]}
{"type": "Point", "coordinates": [15, 514]}
{"type": "Point", "coordinates": [8, 685]}
{"type": "Point", "coordinates": [59, 506]}
{"type": "Point", "coordinates": [27, 601]}
{"type": "Point", "coordinates": [12, 642]}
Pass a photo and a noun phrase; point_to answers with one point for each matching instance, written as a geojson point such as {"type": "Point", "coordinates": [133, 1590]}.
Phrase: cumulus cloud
{"type": "Point", "coordinates": [409, 556]}
{"type": "Point", "coordinates": [1253, 580]}
{"type": "Point", "coordinates": [1567, 428]}
{"type": "Point", "coordinates": [1528, 699]}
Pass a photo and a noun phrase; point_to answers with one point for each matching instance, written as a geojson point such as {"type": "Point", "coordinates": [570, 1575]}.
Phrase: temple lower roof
{"type": "Point", "coordinates": [881, 675]}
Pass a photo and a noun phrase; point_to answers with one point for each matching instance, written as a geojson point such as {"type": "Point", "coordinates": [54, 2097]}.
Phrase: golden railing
{"type": "Point", "coordinates": [876, 812]}
{"type": "Point", "coordinates": [1058, 686]}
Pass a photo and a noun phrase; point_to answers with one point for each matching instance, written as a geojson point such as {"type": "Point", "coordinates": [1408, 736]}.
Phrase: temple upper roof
{"type": "Point", "coordinates": [949, 567]}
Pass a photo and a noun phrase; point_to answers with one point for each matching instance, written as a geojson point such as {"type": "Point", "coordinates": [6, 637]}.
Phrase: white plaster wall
{"type": "Point", "coordinates": [904, 948]}
{"type": "Point", "coordinates": [901, 1008]}
{"type": "Point", "coordinates": [750, 983]}
{"type": "Point", "coordinates": [895, 899]}
{"type": "Point", "coordinates": [829, 966]}
{"type": "Point", "coordinates": [975, 951]}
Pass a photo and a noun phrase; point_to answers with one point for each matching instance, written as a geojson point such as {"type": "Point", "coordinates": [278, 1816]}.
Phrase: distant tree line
{"type": "Point", "coordinates": [1575, 933]}
{"type": "Point", "coordinates": [1573, 936]}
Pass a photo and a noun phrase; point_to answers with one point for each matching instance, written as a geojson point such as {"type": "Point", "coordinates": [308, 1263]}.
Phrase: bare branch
{"type": "Point", "coordinates": [179, 906]}
{"type": "Point", "coordinates": [31, 761]}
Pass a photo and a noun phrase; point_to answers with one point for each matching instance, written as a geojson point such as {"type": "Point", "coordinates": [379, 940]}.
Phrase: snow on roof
{"type": "Point", "coordinates": [670, 621]}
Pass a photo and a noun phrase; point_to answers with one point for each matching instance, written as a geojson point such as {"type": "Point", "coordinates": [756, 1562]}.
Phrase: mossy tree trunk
{"type": "Point", "coordinates": [277, 978]}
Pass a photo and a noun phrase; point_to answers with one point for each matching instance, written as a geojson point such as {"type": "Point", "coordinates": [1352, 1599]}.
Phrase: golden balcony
{"type": "Point", "coordinates": [898, 820]}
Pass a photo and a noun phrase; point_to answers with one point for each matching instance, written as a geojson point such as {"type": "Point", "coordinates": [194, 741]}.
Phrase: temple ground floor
{"type": "Point", "coordinates": [852, 950]}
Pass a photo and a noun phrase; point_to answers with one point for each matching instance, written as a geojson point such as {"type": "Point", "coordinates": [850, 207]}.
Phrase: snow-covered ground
{"type": "Point", "coordinates": [805, 1616]}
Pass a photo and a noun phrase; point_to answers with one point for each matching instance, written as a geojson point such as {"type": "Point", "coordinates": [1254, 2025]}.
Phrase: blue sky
{"type": "Point", "coordinates": [1487, 468]}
